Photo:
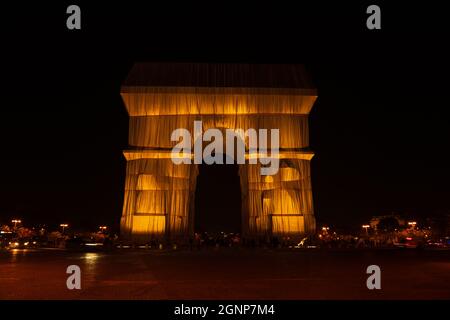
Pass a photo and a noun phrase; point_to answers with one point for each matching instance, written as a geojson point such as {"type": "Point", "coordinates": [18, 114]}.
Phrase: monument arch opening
{"type": "Point", "coordinates": [218, 202]}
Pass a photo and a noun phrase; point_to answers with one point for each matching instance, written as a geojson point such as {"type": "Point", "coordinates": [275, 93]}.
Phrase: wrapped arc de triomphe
{"type": "Point", "coordinates": [162, 97]}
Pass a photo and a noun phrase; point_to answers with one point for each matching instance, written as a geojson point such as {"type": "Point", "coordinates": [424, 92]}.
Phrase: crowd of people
{"type": "Point", "coordinates": [408, 237]}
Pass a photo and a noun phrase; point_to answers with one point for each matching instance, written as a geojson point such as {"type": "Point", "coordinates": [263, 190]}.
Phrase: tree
{"type": "Point", "coordinates": [388, 224]}
{"type": "Point", "coordinates": [5, 228]}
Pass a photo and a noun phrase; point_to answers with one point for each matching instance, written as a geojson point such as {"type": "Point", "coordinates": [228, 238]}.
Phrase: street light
{"type": "Point", "coordinates": [103, 228]}
{"type": "Point", "coordinates": [16, 221]}
{"type": "Point", "coordinates": [64, 226]}
{"type": "Point", "coordinates": [412, 224]}
{"type": "Point", "coordinates": [366, 227]}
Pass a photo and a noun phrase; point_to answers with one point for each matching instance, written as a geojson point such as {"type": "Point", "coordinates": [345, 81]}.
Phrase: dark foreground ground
{"type": "Point", "coordinates": [232, 273]}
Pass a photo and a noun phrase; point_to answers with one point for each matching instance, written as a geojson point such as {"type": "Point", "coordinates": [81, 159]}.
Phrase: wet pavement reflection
{"type": "Point", "coordinates": [228, 273]}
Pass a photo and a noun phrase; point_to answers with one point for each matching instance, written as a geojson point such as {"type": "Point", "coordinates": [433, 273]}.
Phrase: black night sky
{"type": "Point", "coordinates": [380, 127]}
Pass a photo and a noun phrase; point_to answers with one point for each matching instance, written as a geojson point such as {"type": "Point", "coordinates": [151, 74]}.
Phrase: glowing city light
{"type": "Point", "coordinates": [64, 226]}
{"type": "Point", "coordinates": [16, 221]}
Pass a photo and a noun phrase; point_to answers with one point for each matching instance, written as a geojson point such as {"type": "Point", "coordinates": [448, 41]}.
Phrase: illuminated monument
{"type": "Point", "coordinates": [162, 97]}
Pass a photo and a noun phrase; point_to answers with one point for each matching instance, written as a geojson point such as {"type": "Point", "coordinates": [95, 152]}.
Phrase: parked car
{"type": "Point", "coordinates": [438, 244]}
{"type": "Point", "coordinates": [6, 238]}
{"type": "Point", "coordinates": [84, 244]}
{"type": "Point", "coordinates": [407, 242]}
{"type": "Point", "coordinates": [22, 243]}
